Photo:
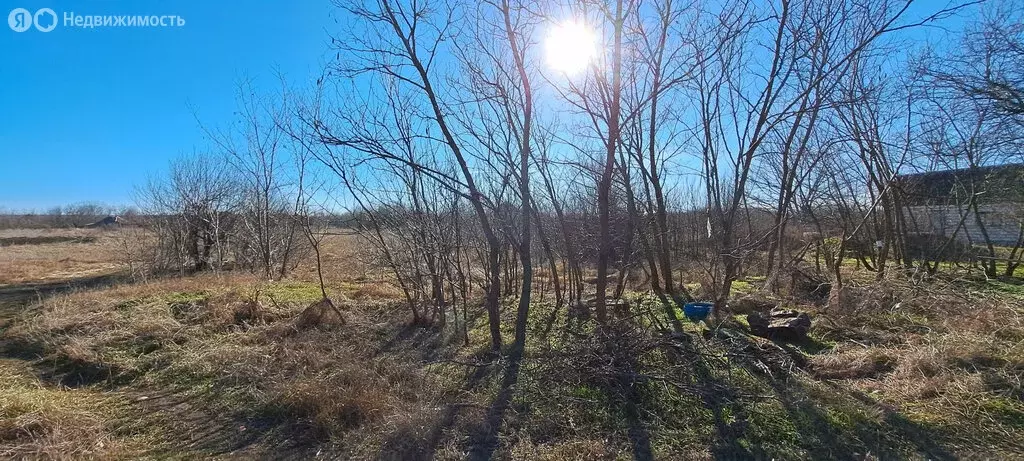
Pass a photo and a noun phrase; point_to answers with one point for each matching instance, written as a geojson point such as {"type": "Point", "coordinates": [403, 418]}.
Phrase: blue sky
{"type": "Point", "coordinates": [86, 114]}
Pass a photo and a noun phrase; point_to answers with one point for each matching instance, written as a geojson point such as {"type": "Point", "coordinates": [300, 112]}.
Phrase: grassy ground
{"type": "Point", "coordinates": [56, 254]}
{"type": "Point", "coordinates": [220, 366]}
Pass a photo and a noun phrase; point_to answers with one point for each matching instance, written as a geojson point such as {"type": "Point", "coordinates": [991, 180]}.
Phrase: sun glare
{"type": "Point", "coordinates": [570, 47]}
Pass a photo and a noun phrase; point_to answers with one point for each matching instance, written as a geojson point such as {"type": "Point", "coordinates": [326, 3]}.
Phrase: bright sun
{"type": "Point", "coordinates": [570, 47]}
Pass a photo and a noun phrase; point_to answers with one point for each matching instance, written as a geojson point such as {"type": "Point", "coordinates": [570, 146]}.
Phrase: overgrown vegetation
{"type": "Point", "coordinates": [341, 274]}
{"type": "Point", "coordinates": [210, 365]}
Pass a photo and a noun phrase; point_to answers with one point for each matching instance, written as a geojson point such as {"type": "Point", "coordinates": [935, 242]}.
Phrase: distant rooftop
{"type": "Point", "coordinates": [993, 184]}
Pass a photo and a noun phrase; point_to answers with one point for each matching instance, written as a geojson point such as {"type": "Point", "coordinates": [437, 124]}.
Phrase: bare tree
{"type": "Point", "coordinates": [255, 146]}
{"type": "Point", "coordinates": [191, 213]}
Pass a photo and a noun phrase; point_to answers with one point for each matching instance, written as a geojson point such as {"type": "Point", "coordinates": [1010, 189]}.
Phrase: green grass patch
{"type": "Point", "coordinates": [741, 287]}
{"type": "Point", "coordinates": [1006, 288]}
{"type": "Point", "coordinates": [1004, 409]}
{"type": "Point", "coordinates": [292, 292]}
{"type": "Point", "coordinates": [185, 296]}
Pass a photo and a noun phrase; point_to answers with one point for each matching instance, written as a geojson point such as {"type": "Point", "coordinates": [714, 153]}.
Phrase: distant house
{"type": "Point", "coordinates": [105, 222]}
{"type": "Point", "coordinates": [936, 203]}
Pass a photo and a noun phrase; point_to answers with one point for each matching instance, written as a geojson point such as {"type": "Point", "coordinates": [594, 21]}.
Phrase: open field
{"type": "Point", "coordinates": [223, 366]}
{"type": "Point", "coordinates": [56, 254]}
{"type": "Point", "coordinates": [506, 230]}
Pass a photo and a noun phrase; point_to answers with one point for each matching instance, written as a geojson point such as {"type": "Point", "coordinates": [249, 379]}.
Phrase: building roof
{"type": "Point", "coordinates": [992, 184]}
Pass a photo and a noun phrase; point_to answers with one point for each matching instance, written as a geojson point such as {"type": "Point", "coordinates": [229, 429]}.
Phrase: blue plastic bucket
{"type": "Point", "coordinates": [697, 311]}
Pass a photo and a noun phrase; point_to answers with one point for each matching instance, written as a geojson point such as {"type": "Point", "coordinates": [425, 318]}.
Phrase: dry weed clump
{"type": "Point", "coordinates": [377, 290]}
{"type": "Point", "coordinates": [331, 385]}
{"type": "Point", "coordinates": [315, 381]}
{"type": "Point", "coordinates": [853, 363]}
{"type": "Point", "coordinates": [227, 310]}
{"type": "Point", "coordinates": [335, 402]}
{"type": "Point", "coordinates": [96, 335]}
{"type": "Point", "coordinates": [897, 294]}
{"type": "Point", "coordinates": [125, 331]}
{"type": "Point", "coordinates": [955, 369]}
{"type": "Point", "coordinates": [321, 314]}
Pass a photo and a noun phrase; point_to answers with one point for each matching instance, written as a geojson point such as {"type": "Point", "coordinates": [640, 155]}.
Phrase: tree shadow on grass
{"type": "Point", "coordinates": [189, 426]}
{"type": "Point", "coordinates": [834, 422]}
{"type": "Point", "coordinates": [616, 374]}
{"type": "Point", "coordinates": [420, 440]}
{"type": "Point", "coordinates": [485, 439]}
{"type": "Point", "coordinates": [626, 391]}
{"type": "Point", "coordinates": [859, 436]}
{"type": "Point", "coordinates": [729, 416]}
{"type": "Point", "coordinates": [14, 297]}
{"type": "Point", "coordinates": [422, 338]}
{"type": "Point", "coordinates": [923, 439]}
{"type": "Point", "coordinates": [432, 342]}
{"type": "Point", "coordinates": [758, 408]}
{"type": "Point", "coordinates": [819, 423]}
{"type": "Point", "coordinates": [16, 301]}
{"type": "Point", "coordinates": [631, 405]}
{"type": "Point", "coordinates": [610, 362]}
{"type": "Point", "coordinates": [192, 428]}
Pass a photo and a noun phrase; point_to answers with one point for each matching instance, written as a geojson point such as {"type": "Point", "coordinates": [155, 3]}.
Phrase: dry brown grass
{"type": "Point", "coordinates": [373, 387]}
{"type": "Point", "coordinates": [853, 363]}
{"type": "Point", "coordinates": [101, 254]}
{"type": "Point", "coordinates": [344, 398]}
{"type": "Point", "coordinates": [343, 258]}
{"type": "Point", "coordinates": [951, 355]}
{"type": "Point", "coordinates": [219, 337]}
{"type": "Point", "coordinates": [37, 422]}
{"type": "Point", "coordinates": [578, 450]}
{"type": "Point", "coordinates": [377, 290]}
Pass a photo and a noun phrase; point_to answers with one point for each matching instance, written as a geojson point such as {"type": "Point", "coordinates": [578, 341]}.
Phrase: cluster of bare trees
{"type": "Point", "coordinates": [703, 142]}
{"type": "Point", "coordinates": [946, 109]}
{"type": "Point", "coordinates": [240, 206]}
